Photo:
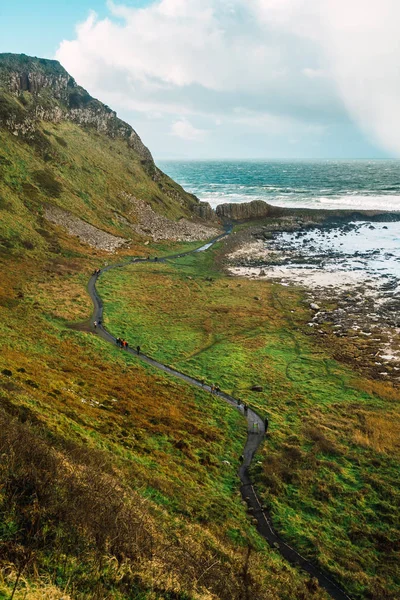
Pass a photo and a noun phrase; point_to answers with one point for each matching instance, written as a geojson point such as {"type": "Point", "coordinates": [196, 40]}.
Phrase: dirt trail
{"type": "Point", "coordinates": [255, 436]}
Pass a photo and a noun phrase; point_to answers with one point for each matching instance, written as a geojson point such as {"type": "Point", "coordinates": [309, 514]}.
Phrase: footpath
{"type": "Point", "coordinates": [255, 431]}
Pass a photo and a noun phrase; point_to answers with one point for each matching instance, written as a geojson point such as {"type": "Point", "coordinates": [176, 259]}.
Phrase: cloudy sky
{"type": "Point", "coordinates": [230, 78]}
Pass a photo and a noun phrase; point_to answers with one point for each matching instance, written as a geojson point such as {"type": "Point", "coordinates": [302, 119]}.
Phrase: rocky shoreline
{"type": "Point", "coordinates": [347, 301]}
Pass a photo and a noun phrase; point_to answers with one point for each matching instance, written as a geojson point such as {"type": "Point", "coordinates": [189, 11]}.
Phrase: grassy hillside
{"type": "Point", "coordinates": [87, 174]}
{"type": "Point", "coordinates": [116, 481]}
{"type": "Point", "coordinates": [329, 472]}
{"type": "Point", "coordinates": [61, 147]}
{"type": "Point", "coordinates": [112, 477]}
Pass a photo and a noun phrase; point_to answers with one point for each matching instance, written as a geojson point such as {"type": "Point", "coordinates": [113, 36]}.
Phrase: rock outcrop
{"type": "Point", "coordinates": [204, 211]}
{"type": "Point", "coordinates": [35, 91]}
{"type": "Point", "coordinates": [53, 95]}
{"type": "Point", "coordinates": [246, 211]}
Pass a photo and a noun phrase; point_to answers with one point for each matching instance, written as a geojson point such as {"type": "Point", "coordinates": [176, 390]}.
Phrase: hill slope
{"type": "Point", "coordinates": [112, 478]}
{"type": "Point", "coordinates": [59, 147]}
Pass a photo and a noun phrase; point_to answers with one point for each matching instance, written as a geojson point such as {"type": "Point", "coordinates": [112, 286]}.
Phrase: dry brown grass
{"type": "Point", "coordinates": [379, 432]}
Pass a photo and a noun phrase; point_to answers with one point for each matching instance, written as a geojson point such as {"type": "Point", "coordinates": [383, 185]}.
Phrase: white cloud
{"type": "Point", "coordinates": [313, 73]}
{"type": "Point", "coordinates": [362, 45]}
{"type": "Point", "coordinates": [186, 131]}
{"type": "Point", "coordinates": [299, 65]}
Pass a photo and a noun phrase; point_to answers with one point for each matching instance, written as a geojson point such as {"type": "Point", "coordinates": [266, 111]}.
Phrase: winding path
{"type": "Point", "coordinates": [255, 436]}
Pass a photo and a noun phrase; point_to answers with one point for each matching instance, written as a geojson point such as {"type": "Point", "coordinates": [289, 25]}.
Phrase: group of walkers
{"type": "Point", "coordinates": [121, 343]}
{"type": "Point", "coordinates": [96, 272]}
{"type": "Point", "coordinates": [214, 389]}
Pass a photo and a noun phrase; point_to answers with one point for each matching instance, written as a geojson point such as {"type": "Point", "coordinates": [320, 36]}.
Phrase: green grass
{"type": "Point", "coordinates": [119, 439]}
{"type": "Point", "coordinates": [329, 472]}
{"type": "Point", "coordinates": [89, 174]}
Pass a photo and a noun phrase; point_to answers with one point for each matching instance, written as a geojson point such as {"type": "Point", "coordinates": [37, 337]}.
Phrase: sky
{"type": "Point", "coordinates": [201, 79]}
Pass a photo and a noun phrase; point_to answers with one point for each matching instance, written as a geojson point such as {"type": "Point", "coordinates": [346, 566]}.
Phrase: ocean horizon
{"type": "Point", "coordinates": [370, 184]}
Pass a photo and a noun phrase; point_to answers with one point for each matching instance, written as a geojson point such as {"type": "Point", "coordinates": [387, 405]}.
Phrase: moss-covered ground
{"type": "Point", "coordinates": [329, 469]}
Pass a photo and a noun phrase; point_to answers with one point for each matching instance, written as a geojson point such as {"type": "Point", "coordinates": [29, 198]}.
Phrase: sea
{"type": "Point", "coordinates": [328, 184]}
{"type": "Point", "coordinates": [355, 184]}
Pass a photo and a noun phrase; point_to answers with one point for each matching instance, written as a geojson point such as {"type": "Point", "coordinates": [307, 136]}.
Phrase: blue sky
{"type": "Point", "coordinates": [36, 28]}
{"type": "Point", "coordinates": [229, 78]}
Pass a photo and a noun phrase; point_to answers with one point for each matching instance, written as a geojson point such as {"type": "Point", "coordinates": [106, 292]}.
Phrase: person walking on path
{"type": "Point", "coordinates": [266, 425]}
{"type": "Point", "coordinates": [245, 409]}
{"type": "Point", "coordinates": [241, 459]}
{"type": "Point", "coordinates": [138, 350]}
{"type": "Point", "coordinates": [95, 324]}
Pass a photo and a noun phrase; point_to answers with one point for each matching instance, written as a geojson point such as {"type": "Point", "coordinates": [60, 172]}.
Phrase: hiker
{"type": "Point", "coordinates": [95, 324]}
{"type": "Point", "coordinates": [212, 388]}
{"type": "Point", "coordinates": [155, 258]}
{"type": "Point", "coordinates": [126, 345]}
{"type": "Point", "coordinates": [217, 389]}
{"type": "Point", "coordinates": [245, 409]}
{"type": "Point", "coordinates": [118, 341]}
{"type": "Point", "coordinates": [266, 424]}
{"type": "Point", "coordinates": [241, 459]}
{"type": "Point", "coordinates": [138, 350]}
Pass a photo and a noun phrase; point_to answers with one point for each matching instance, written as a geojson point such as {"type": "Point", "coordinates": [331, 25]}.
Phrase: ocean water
{"type": "Point", "coordinates": [355, 184]}
{"type": "Point", "coordinates": [371, 251]}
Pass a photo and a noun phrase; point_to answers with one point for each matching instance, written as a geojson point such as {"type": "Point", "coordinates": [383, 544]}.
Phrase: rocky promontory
{"type": "Point", "coordinates": [247, 211]}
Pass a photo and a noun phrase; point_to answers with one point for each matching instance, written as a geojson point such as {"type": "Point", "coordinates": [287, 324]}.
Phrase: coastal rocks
{"type": "Point", "coordinates": [315, 306]}
{"type": "Point", "coordinates": [204, 211]}
{"type": "Point", "coordinates": [347, 274]}
{"type": "Point", "coordinates": [257, 209]}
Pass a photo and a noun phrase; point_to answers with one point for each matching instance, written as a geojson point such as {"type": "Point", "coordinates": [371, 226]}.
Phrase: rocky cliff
{"type": "Point", "coordinates": [34, 91]}
{"type": "Point", "coordinates": [48, 93]}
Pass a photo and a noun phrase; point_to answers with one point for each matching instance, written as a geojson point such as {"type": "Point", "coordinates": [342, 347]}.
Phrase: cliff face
{"type": "Point", "coordinates": [48, 93]}
{"type": "Point", "coordinates": [246, 211]}
{"type": "Point", "coordinates": [35, 92]}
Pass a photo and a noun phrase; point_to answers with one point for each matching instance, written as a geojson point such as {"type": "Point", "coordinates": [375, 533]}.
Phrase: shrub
{"type": "Point", "coordinates": [48, 183]}
{"type": "Point", "coordinates": [61, 141]}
